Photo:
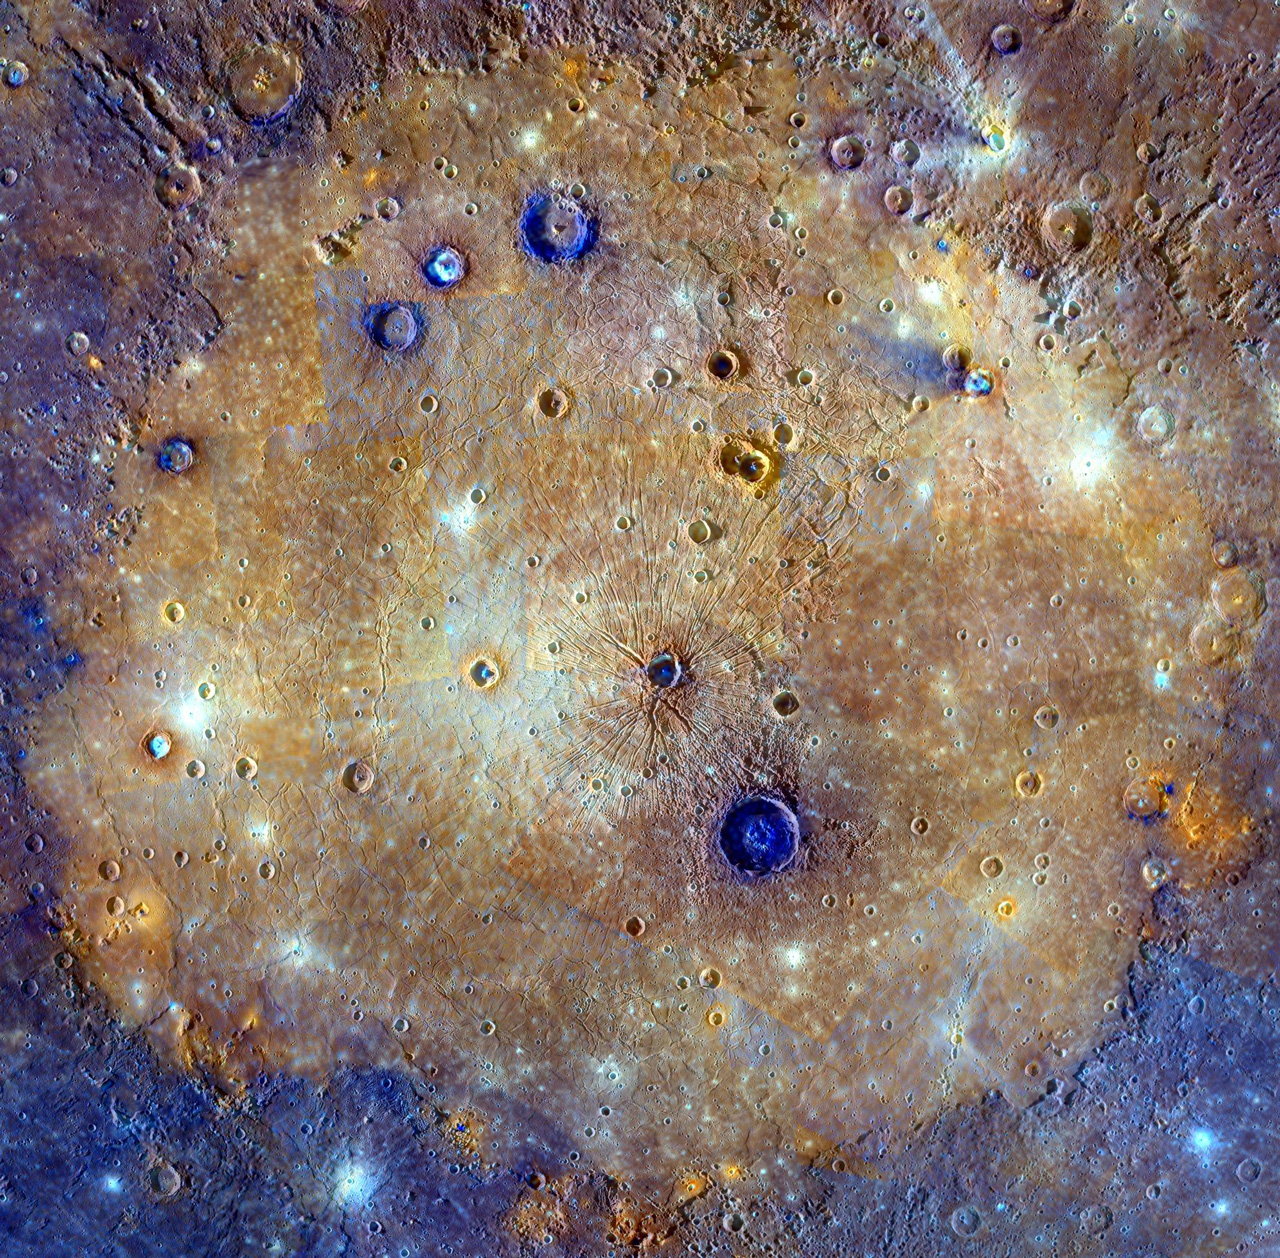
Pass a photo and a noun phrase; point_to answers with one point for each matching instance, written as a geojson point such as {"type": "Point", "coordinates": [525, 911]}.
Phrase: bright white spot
{"type": "Point", "coordinates": [353, 1184]}
{"type": "Point", "coordinates": [111, 1183]}
{"type": "Point", "coordinates": [930, 292]}
{"type": "Point", "coordinates": [530, 139]}
{"type": "Point", "coordinates": [1090, 459]}
{"type": "Point", "coordinates": [301, 953]}
{"type": "Point", "coordinates": [1202, 1141]}
{"type": "Point", "coordinates": [461, 519]}
{"type": "Point", "coordinates": [190, 717]}
{"type": "Point", "coordinates": [794, 957]}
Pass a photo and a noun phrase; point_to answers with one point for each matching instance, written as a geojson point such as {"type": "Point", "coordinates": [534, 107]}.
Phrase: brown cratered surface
{"type": "Point", "coordinates": [988, 499]}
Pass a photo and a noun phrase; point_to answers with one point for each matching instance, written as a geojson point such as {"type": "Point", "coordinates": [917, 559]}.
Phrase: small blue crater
{"type": "Point", "coordinates": [32, 611]}
{"type": "Point", "coordinates": [483, 673]}
{"type": "Point", "coordinates": [392, 325]}
{"type": "Point", "coordinates": [176, 456]}
{"type": "Point", "coordinates": [555, 228]}
{"type": "Point", "coordinates": [443, 267]}
{"type": "Point", "coordinates": [760, 836]}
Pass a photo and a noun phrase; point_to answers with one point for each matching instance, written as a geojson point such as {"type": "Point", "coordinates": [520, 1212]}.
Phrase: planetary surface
{"type": "Point", "coordinates": [639, 631]}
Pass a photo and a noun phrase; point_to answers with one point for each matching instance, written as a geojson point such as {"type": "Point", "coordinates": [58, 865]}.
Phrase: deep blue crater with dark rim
{"type": "Point", "coordinates": [555, 228]}
{"type": "Point", "coordinates": [392, 325]}
{"type": "Point", "coordinates": [176, 456]}
{"type": "Point", "coordinates": [760, 836]}
{"type": "Point", "coordinates": [664, 670]}
{"type": "Point", "coordinates": [443, 267]}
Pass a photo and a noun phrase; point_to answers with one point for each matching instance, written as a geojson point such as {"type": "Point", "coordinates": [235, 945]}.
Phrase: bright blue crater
{"type": "Point", "coordinates": [176, 456]}
{"type": "Point", "coordinates": [555, 228]}
{"type": "Point", "coordinates": [664, 670]}
{"type": "Point", "coordinates": [443, 267]}
{"type": "Point", "coordinates": [760, 836]}
{"type": "Point", "coordinates": [979, 382]}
